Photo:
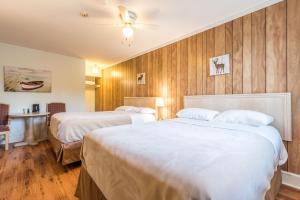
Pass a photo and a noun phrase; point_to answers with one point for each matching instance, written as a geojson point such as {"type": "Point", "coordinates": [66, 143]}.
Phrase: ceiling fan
{"type": "Point", "coordinates": [128, 18]}
{"type": "Point", "coordinates": [128, 23]}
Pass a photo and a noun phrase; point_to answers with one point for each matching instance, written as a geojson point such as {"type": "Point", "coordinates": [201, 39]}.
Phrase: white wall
{"type": "Point", "coordinates": [68, 75]}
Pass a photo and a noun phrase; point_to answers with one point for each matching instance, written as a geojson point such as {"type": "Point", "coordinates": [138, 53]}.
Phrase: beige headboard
{"type": "Point", "coordinates": [140, 101]}
{"type": "Point", "coordinates": [277, 105]}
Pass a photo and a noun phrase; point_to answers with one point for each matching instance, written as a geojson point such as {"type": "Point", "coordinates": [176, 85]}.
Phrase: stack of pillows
{"type": "Point", "coordinates": [247, 117]}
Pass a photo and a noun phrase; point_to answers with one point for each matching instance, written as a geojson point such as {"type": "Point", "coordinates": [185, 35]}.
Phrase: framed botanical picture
{"type": "Point", "coordinates": [21, 79]}
{"type": "Point", "coordinates": [141, 79]}
{"type": "Point", "coordinates": [219, 65]}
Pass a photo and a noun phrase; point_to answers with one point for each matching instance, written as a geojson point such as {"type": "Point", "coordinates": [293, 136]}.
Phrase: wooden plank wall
{"type": "Point", "coordinates": [265, 57]}
{"type": "Point", "coordinates": [98, 95]}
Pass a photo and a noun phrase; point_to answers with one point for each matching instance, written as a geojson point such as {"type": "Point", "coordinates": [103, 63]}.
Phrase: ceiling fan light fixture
{"type": "Point", "coordinates": [127, 31]}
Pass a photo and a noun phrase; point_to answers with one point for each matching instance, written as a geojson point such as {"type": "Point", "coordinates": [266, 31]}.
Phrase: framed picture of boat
{"type": "Point", "coordinates": [21, 79]}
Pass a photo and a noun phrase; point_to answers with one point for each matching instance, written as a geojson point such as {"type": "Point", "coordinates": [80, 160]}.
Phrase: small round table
{"type": "Point", "coordinates": [29, 135]}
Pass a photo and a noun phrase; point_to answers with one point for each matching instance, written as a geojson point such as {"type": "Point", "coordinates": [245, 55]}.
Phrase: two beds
{"type": "Point", "coordinates": [67, 130]}
{"type": "Point", "coordinates": [189, 159]}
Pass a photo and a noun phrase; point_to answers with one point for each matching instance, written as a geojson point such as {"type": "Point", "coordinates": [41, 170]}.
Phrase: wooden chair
{"type": "Point", "coordinates": [54, 108]}
{"type": "Point", "coordinates": [4, 127]}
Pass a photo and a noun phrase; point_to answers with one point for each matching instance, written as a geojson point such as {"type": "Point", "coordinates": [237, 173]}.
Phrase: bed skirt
{"type": "Point", "coordinates": [65, 153]}
{"type": "Point", "coordinates": [275, 185]}
{"type": "Point", "coordinates": [88, 190]}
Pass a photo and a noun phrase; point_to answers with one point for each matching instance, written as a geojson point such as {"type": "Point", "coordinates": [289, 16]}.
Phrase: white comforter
{"type": "Point", "coordinates": [183, 159]}
{"type": "Point", "coordinates": [72, 126]}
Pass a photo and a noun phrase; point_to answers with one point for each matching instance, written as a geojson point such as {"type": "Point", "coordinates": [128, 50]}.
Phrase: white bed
{"type": "Point", "coordinates": [198, 160]}
{"type": "Point", "coordinates": [71, 126]}
{"type": "Point", "coordinates": [189, 159]}
{"type": "Point", "coordinates": [67, 130]}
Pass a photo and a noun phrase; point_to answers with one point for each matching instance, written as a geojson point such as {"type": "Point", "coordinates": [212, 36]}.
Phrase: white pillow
{"type": "Point", "coordinates": [248, 117]}
{"type": "Point", "coordinates": [127, 109]}
{"type": "Point", "coordinates": [145, 110]}
{"type": "Point", "coordinates": [197, 113]}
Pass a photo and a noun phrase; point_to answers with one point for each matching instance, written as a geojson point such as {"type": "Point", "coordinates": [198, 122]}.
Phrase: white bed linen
{"type": "Point", "coordinates": [189, 159]}
{"type": "Point", "coordinates": [72, 126]}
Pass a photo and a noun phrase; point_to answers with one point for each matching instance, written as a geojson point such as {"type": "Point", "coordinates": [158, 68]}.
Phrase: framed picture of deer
{"type": "Point", "coordinates": [219, 65]}
{"type": "Point", "coordinates": [141, 79]}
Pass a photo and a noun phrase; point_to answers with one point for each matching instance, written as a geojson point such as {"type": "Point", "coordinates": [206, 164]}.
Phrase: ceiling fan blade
{"type": "Point", "coordinates": [112, 2]}
{"type": "Point", "coordinates": [107, 2]}
{"type": "Point", "coordinates": [123, 13]}
{"type": "Point", "coordinates": [106, 25]}
{"type": "Point", "coordinates": [122, 9]}
{"type": "Point", "coordinates": [112, 25]}
{"type": "Point", "coordinates": [145, 26]}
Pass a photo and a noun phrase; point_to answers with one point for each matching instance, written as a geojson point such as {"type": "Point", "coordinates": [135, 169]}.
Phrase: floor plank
{"type": "Point", "coordinates": [288, 193]}
{"type": "Point", "coordinates": [31, 172]}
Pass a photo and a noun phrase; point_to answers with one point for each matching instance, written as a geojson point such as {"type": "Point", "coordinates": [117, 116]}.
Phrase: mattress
{"type": "Point", "coordinates": [183, 159]}
{"type": "Point", "coordinates": [72, 126]}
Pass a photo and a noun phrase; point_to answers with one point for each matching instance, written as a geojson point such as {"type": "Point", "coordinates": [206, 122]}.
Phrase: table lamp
{"type": "Point", "coordinates": [159, 103]}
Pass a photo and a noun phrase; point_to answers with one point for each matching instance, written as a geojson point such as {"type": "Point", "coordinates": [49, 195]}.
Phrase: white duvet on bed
{"type": "Point", "coordinates": [183, 159]}
{"type": "Point", "coordinates": [72, 126]}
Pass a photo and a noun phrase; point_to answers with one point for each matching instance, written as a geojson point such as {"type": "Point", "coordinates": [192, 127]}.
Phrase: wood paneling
{"type": "Point", "coordinates": [237, 62]}
{"type": "Point", "coordinates": [168, 74]}
{"type": "Point", "coordinates": [247, 72]}
{"type": "Point", "coordinates": [258, 53]}
{"type": "Point", "coordinates": [276, 48]}
{"type": "Point", "coordinates": [178, 99]}
{"type": "Point", "coordinates": [220, 83]}
{"type": "Point", "coordinates": [173, 80]}
{"type": "Point", "coordinates": [199, 64]}
{"type": "Point", "coordinates": [293, 77]}
{"type": "Point", "coordinates": [228, 50]}
{"type": "Point", "coordinates": [165, 84]}
{"type": "Point", "coordinates": [98, 94]}
{"type": "Point", "coordinates": [204, 62]}
{"type": "Point", "coordinates": [183, 70]}
{"type": "Point", "coordinates": [264, 50]}
{"type": "Point", "coordinates": [210, 52]}
{"type": "Point", "coordinates": [192, 65]}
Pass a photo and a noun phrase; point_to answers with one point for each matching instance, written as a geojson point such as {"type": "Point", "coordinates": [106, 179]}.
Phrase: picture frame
{"type": "Point", "coordinates": [220, 65]}
{"type": "Point", "coordinates": [141, 78]}
{"type": "Point", "coordinates": [22, 79]}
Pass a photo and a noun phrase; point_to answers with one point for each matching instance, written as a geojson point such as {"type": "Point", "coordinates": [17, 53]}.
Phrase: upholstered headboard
{"type": "Point", "coordinates": [140, 101]}
{"type": "Point", "coordinates": [277, 105]}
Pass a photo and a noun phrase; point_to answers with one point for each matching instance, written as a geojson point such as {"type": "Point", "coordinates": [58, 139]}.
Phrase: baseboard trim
{"type": "Point", "coordinates": [291, 179]}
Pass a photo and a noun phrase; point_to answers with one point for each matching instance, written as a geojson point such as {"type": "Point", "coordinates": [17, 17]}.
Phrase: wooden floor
{"type": "Point", "coordinates": [30, 173]}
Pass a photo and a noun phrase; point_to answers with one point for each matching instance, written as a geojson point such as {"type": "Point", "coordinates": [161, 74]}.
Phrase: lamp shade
{"type": "Point", "coordinates": [160, 102]}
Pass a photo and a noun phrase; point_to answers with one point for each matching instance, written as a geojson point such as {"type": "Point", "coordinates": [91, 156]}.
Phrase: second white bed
{"type": "Point", "coordinates": [183, 159]}
{"type": "Point", "coordinates": [72, 126]}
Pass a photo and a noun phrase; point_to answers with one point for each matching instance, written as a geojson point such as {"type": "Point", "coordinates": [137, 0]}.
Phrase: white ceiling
{"type": "Point", "coordinates": [55, 25]}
